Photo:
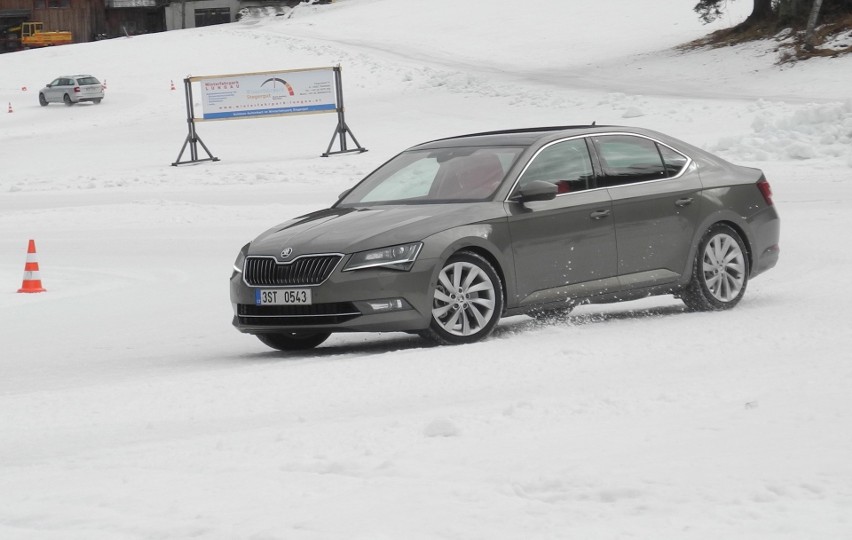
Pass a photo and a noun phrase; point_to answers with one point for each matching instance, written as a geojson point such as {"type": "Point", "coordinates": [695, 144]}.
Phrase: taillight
{"type": "Point", "coordinates": [76, 89]}
{"type": "Point", "coordinates": [765, 190]}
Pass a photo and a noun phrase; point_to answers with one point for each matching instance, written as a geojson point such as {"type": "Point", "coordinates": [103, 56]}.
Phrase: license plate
{"type": "Point", "coordinates": [282, 297]}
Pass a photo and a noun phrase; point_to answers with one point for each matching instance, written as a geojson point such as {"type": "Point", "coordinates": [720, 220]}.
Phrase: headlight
{"type": "Point", "coordinates": [241, 259]}
{"type": "Point", "coordinates": [394, 257]}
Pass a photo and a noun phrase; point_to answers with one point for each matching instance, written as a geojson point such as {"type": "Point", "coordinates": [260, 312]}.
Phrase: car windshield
{"type": "Point", "coordinates": [437, 175]}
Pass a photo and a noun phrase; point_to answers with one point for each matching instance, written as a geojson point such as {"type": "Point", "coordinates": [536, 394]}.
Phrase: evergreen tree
{"type": "Point", "coordinates": [785, 12]}
{"type": "Point", "coordinates": [710, 10]}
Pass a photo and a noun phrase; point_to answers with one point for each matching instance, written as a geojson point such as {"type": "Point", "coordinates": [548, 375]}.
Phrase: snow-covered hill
{"type": "Point", "coordinates": [130, 409]}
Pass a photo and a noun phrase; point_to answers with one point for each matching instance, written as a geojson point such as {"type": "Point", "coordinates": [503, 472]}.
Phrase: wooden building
{"type": "Point", "coordinates": [87, 20]}
{"type": "Point", "coordinates": [83, 18]}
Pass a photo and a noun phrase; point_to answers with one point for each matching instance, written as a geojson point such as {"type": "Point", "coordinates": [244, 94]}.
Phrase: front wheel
{"type": "Point", "coordinates": [42, 100]}
{"type": "Point", "coordinates": [67, 100]}
{"type": "Point", "coordinates": [293, 341]}
{"type": "Point", "coordinates": [467, 300]}
{"type": "Point", "coordinates": [720, 272]}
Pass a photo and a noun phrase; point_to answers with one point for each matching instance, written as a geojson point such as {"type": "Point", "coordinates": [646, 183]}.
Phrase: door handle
{"type": "Point", "coordinates": [686, 201]}
{"type": "Point", "coordinates": [599, 214]}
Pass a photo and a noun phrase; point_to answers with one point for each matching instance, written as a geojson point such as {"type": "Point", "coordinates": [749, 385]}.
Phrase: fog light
{"type": "Point", "coordinates": [388, 304]}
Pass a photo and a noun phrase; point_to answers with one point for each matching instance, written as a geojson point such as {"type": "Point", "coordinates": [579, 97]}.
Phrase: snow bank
{"type": "Point", "coordinates": [818, 132]}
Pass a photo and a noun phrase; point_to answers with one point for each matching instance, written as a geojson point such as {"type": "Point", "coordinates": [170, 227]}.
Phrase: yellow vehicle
{"type": "Point", "coordinates": [33, 35]}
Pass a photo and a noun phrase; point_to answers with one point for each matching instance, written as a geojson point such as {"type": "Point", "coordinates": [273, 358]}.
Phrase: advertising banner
{"type": "Point", "coordinates": [258, 95]}
{"type": "Point", "coordinates": [252, 95]}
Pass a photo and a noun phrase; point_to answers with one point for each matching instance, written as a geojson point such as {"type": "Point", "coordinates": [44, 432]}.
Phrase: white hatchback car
{"type": "Point", "coordinates": [71, 89]}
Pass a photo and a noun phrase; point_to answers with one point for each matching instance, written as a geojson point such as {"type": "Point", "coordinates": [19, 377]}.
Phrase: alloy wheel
{"type": "Point", "coordinates": [724, 267]}
{"type": "Point", "coordinates": [464, 300]}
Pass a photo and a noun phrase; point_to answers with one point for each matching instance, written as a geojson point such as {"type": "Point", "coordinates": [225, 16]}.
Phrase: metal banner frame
{"type": "Point", "coordinates": [342, 129]}
{"type": "Point", "coordinates": [193, 140]}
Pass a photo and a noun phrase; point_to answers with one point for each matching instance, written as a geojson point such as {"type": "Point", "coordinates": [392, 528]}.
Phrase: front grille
{"type": "Point", "coordinates": [310, 270]}
{"type": "Point", "coordinates": [316, 314]}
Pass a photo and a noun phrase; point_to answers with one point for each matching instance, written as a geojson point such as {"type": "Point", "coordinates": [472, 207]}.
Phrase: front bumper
{"type": "Point", "coordinates": [346, 302]}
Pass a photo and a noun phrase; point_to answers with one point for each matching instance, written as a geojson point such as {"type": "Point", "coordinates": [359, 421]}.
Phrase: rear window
{"type": "Point", "coordinates": [87, 80]}
{"type": "Point", "coordinates": [674, 161]}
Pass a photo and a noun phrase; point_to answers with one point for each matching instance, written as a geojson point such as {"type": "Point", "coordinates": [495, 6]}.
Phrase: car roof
{"type": "Point", "coordinates": [516, 137]}
{"type": "Point", "coordinates": [539, 136]}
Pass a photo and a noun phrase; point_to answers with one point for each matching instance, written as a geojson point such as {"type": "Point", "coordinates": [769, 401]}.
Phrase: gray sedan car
{"type": "Point", "coordinates": [71, 89]}
{"type": "Point", "coordinates": [451, 235]}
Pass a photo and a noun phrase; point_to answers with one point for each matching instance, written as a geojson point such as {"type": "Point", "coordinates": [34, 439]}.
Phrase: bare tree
{"type": "Point", "coordinates": [812, 20]}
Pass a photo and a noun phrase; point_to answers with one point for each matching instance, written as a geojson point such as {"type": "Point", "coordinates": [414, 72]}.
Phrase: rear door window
{"type": "Point", "coordinates": [626, 159]}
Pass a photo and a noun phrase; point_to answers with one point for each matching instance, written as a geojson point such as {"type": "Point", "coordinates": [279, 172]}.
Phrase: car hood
{"type": "Point", "coordinates": [348, 230]}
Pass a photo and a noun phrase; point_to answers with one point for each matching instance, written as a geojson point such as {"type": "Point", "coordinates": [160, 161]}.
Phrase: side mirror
{"type": "Point", "coordinates": [343, 194]}
{"type": "Point", "coordinates": [537, 190]}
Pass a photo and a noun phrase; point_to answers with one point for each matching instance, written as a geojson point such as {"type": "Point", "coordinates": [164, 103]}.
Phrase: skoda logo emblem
{"type": "Point", "coordinates": [286, 253]}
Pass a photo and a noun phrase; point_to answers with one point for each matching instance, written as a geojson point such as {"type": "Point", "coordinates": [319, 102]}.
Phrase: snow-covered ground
{"type": "Point", "coordinates": [130, 409]}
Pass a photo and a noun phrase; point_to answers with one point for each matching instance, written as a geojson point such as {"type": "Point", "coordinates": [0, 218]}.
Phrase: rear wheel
{"type": "Point", "coordinates": [720, 272]}
{"type": "Point", "coordinates": [42, 100]}
{"type": "Point", "coordinates": [67, 100]}
{"type": "Point", "coordinates": [97, 100]}
{"type": "Point", "coordinates": [293, 341]}
{"type": "Point", "coordinates": [467, 300]}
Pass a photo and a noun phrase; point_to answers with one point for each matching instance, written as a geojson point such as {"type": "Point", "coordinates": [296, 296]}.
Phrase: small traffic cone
{"type": "Point", "coordinates": [10, 108]}
{"type": "Point", "coordinates": [104, 84]}
{"type": "Point", "coordinates": [32, 279]}
{"type": "Point", "coordinates": [173, 85]}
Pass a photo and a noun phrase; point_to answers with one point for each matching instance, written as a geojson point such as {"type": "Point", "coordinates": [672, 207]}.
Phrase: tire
{"type": "Point", "coordinates": [293, 341]}
{"type": "Point", "coordinates": [467, 301]}
{"type": "Point", "coordinates": [42, 100]}
{"type": "Point", "coordinates": [67, 100]}
{"type": "Point", "coordinates": [720, 272]}
{"type": "Point", "coordinates": [97, 100]}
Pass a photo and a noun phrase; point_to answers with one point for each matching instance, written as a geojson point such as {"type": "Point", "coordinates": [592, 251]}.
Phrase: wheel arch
{"type": "Point", "coordinates": [488, 240]}
{"type": "Point", "coordinates": [745, 238]}
{"type": "Point", "coordinates": [731, 220]}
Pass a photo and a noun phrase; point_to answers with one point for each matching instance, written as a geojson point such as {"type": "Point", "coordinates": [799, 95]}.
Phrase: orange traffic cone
{"type": "Point", "coordinates": [104, 84]}
{"type": "Point", "coordinates": [10, 108]}
{"type": "Point", "coordinates": [32, 280]}
{"type": "Point", "coordinates": [173, 85]}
